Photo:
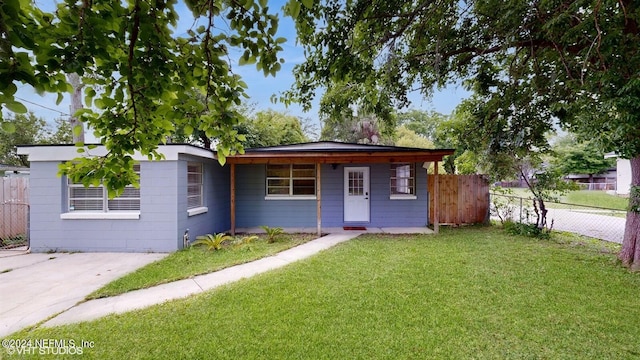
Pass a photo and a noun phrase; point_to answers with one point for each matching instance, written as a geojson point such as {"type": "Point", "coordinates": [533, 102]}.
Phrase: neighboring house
{"type": "Point", "coordinates": [623, 174]}
{"type": "Point", "coordinates": [13, 171]}
{"type": "Point", "coordinates": [315, 185]}
{"type": "Point", "coordinates": [603, 181]}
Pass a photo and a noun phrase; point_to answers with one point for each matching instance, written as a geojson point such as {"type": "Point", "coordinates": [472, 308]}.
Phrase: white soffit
{"type": "Point", "coordinates": [70, 152]}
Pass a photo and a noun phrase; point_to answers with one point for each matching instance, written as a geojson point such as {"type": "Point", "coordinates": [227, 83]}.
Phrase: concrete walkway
{"type": "Point", "coordinates": [183, 288]}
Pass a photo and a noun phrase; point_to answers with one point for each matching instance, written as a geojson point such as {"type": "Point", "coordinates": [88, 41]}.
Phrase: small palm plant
{"type": "Point", "coordinates": [245, 243]}
{"type": "Point", "coordinates": [212, 242]}
{"type": "Point", "coordinates": [272, 233]}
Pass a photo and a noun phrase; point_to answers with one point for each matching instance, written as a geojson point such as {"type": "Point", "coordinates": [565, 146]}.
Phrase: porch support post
{"type": "Point", "coordinates": [319, 198]}
{"type": "Point", "coordinates": [436, 192]}
{"type": "Point", "coordinates": [233, 198]}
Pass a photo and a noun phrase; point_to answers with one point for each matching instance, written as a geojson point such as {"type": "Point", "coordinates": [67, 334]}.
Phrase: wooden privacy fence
{"type": "Point", "coordinates": [462, 199]}
{"type": "Point", "coordinates": [14, 207]}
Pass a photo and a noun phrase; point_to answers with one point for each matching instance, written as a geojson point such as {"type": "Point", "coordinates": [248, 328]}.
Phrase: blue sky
{"type": "Point", "coordinates": [260, 87]}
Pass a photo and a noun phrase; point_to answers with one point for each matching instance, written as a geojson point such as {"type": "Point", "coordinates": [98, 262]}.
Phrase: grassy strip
{"type": "Point", "coordinates": [467, 293]}
{"type": "Point", "coordinates": [582, 197]}
{"type": "Point", "coordinates": [597, 198]}
{"type": "Point", "coordinates": [196, 261]}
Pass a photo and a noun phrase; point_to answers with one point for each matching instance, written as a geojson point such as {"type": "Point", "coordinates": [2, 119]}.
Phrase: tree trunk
{"type": "Point", "coordinates": [630, 253]}
{"type": "Point", "coordinates": [77, 127]}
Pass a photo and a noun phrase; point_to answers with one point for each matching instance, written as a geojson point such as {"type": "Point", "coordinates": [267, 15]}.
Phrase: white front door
{"type": "Point", "coordinates": [356, 194]}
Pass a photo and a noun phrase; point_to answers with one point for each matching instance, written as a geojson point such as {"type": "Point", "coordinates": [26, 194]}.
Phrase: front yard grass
{"type": "Point", "coordinates": [196, 261]}
{"type": "Point", "coordinates": [466, 293]}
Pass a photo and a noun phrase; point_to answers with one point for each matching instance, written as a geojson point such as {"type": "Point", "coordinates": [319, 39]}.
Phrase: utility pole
{"type": "Point", "coordinates": [76, 104]}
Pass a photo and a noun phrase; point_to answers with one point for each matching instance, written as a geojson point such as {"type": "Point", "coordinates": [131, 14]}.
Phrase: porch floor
{"type": "Point", "coordinates": [339, 230]}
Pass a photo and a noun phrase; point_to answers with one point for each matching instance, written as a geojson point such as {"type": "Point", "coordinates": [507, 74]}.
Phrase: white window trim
{"type": "Point", "coordinates": [291, 196]}
{"type": "Point", "coordinates": [197, 211]}
{"type": "Point", "coordinates": [413, 196]}
{"type": "Point", "coordinates": [104, 213]}
{"type": "Point", "coordinates": [402, 197]}
{"type": "Point", "coordinates": [201, 184]}
{"type": "Point", "coordinates": [92, 215]}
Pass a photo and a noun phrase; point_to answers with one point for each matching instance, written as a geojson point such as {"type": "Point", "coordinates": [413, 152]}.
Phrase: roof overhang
{"type": "Point", "coordinates": [337, 153]}
{"type": "Point", "coordinates": [65, 152]}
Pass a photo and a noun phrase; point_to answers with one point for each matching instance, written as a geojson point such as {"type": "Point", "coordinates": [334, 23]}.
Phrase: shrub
{"type": "Point", "coordinates": [272, 233]}
{"type": "Point", "coordinates": [212, 242]}
{"type": "Point", "coordinates": [531, 230]}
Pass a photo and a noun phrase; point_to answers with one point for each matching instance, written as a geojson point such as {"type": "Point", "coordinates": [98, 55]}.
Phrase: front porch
{"type": "Point", "coordinates": [380, 188]}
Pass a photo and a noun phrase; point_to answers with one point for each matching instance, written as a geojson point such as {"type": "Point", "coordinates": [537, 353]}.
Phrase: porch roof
{"type": "Point", "coordinates": [331, 152]}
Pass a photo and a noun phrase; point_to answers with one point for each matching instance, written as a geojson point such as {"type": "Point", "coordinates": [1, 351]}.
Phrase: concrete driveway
{"type": "Point", "coordinates": [34, 287]}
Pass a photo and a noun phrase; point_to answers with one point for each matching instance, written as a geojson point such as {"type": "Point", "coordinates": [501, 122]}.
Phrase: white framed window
{"type": "Point", "coordinates": [194, 185]}
{"type": "Point", "coordinates": [291, 180]}
{"type": "Point", "coordinates": [96, 199]}
{"type": "Point", "coordinates": [403, 180]}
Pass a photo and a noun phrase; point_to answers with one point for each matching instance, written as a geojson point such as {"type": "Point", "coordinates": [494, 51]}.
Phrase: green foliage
{"type": "Point", "coordinates": [574, 157]}
{"type": "Point", "coordinates": [270, 128]}
{"type": "Point", "coordinates": [212, 242]}
{"type": "Point", "coordinates": [409, 138]}
{"type": "Point", "coordinates": [503, 204]}
{"type": "Point", "coordinates": [245, 242]}
{"type": "Point", "coordinates": [30, 130]}
{"type": "Point", "coordinates": [466, 163]}
{"type": "Point", "coordinates": [422, 122]}
{"type": "Point", "coordinates": [525, 229]}
{"type": "Point", "coordinates": [137, 73]}
{"type": "Point", "coordinates": [272, 233]}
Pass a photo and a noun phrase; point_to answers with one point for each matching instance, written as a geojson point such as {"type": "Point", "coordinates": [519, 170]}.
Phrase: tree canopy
{"type": "Point", "coordinates": [136, 71]}
{"type": "Point", "coordinates": [30, 129]}
{"type": "Point", "coordinates": [574, 157]}
{"type": "Point", "coordinates": [270, 128]}
{"type": "Point", "coordinates": [531, 63]}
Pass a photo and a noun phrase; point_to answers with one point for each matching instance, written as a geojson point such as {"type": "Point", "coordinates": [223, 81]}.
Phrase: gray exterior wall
{"type": "Point", "coordinates": [253, 210]}
{"type": "Point", "coordinates": [155, 230]}
{"type": "Point", "coordinates": [217, 195]}
{"type": "Point", "coordinates": [384, 212]}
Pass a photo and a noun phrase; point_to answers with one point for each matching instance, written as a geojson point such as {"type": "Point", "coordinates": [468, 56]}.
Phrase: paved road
{"type": "Point", "coordinates": [588, 223]}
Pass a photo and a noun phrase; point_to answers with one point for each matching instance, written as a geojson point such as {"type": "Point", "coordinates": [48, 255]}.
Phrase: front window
{"type": "Point", "coordinates": [95, 198]}
{"type": "Point", "coordinates": [291, 180]}
{"type": "Point", "coordinates": [403, 179]}
{"type": "Point", "coordinates": [194, 185]}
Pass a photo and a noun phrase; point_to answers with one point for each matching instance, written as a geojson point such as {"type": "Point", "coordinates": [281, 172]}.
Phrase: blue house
{"type": "Point", "coordinates": [312, 186]}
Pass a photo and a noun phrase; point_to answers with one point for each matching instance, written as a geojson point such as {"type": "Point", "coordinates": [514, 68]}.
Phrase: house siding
{"type": "Point", "coordinates": [384, 212]}
{"type": "Point", "coordinates": [154, 231]}
{"type": "Point", "coordinates": [216, 197]}
{"type": "Point", "coordinates": [254, 210]}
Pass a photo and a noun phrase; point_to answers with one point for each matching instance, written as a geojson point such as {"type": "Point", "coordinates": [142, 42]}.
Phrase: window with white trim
{"type": "Point", "coordinates": [403, 179]}
{"type": "Point", "coordinates": [194, 185]}
{"type": "Point", "coordinates": [291, 180]}
{"type": "Point", "coordinates": [96, 199]}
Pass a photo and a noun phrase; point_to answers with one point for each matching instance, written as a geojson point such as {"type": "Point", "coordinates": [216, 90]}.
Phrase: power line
{"type": "Point", "coordinates": [42, 106]}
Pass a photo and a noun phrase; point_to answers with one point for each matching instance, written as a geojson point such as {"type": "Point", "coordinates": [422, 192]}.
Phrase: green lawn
{"type": "Point", "coordinates": [583, 197]}
{"type": "Point", "coordinates": [466, 293]}
{"type": "Point", "coordinates": [596, 198]}
{"type": "Point", "coordinates": [197, 260]}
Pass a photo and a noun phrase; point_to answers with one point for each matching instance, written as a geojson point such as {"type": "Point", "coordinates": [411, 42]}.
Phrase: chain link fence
{"type": "Point", "coordinates": [597, 222]}
{"type": "Point", "coordinates": [14, 226]}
